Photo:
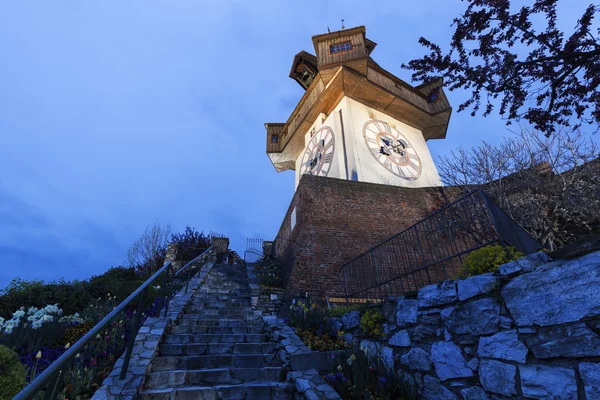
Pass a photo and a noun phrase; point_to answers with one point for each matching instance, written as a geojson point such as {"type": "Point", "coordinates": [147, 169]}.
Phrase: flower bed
{"type": "Point", "coordinates": [40, 336]}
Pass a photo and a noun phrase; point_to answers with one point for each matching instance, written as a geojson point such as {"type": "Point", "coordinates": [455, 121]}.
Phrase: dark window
{"type": "Point", "coordinates": [340, 47]}
{"type": "Point", "coordinates": [274, 138]}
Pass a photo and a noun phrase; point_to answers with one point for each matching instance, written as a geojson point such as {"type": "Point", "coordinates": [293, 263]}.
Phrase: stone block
{"type": "Point", "coordinates": [417, 359]}
{"type": "Point", "coordinates": [478, 317]}
{"type": "Point", "coordinates": [302, 385]}
{"type": "Point", "coordinates": [541, 381]}
{"type": "Point", "coordinates": [540, 296]}
{"type": "Point", "coordinates": [434, 389]}
{"type": "Point", "coordinates": [590, 375]}
{"type": "Point", "coordinates": [509, 269]}
{"type": "Point", "coordinates": [449, 362]}
{"type": "Point", "coordinates": [351, 319]}
{"type": "Point", "coordinates": [568, 341]}
{"type": "Point", "coordinates": [437, 295]}
{"type": "Point", "coordinates": [406, 312]}
{"type": "Point", "coordinates": [475, 286]}
{"type": "Point", "coordinates": [498, 377]}
{"type": "Point", "coordinates": [474, 393]}
{"type": "Point", "coordinates": [400, 339]}
{"type": "Point", "coordinates": [503, 345]}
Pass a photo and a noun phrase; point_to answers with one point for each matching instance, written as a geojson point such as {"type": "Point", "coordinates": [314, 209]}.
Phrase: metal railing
{"type": "Point", "coordinates": [432, 250]}
{"type": "Point", "coordinates": [254, 247]}
{"type": "Point", "coordinates": [49, 379]}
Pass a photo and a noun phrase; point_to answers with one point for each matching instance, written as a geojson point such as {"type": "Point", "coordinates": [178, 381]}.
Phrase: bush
{"type": "Point", "coordinates": [71, 296]}
{"type": "Point", "coordinates": [365, 376]}
{"type": "Point", "coordinates": [190, 244]}
{"type": "Point", "coordinates": [269, 271]}
{"type": "Point", "coordinates": [111, 281]}
{"type": "Point", "coordinates": [12, 373]}
{"type": "Point", "coordinates": [370, 323]}
{"type": "Point", "coordinates": [487, 259]}
{"type": "Point", "coordinates": [339, 311]}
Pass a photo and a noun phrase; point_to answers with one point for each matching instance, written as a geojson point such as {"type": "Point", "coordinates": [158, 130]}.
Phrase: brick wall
{"type": "Point", "coordinates": [338, 219]}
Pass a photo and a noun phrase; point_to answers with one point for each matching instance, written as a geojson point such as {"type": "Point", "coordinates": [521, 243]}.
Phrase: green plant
{"type": "Point", "coordinates": [371, 322]}
{"type": "Point", "coordinates": [111, 281]}
{"type": "Point", "coordinates": [339, 311]}
{"type": "Point", "coordinates": [269, 271]}
{"type": "Point", "coordinates": [487, 259]}
{"type": "Point", "coordinates": [364, 375]}
{"type": "Point", "coordinates": [71, 296]}
{"type": "Point", "coordinates": [12, 373]}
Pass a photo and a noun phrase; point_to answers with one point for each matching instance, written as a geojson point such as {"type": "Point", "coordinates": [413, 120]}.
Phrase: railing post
{"type": "Point", "coordinates": [49, 394]}
{"type": "Point", "coordinates": [163, 290]}
{"type": "Point", "coordinates": [168, 298]}
{"type": "Point", "coordinates": [187, 282]}
{"type": "Point", "coordinates": [134, 331]}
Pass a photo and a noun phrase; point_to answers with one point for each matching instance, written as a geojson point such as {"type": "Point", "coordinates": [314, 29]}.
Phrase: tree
{"type": "Point", "coordinates": [147, 254]}
{"type": "Point", "coordinates": [550, 186]}
{"type": "Point", "coordinates": [190, 244]}
{"type": "Point", "coordinates": [557, 79]}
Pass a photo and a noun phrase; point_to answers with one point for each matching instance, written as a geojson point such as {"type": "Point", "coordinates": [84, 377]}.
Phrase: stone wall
{"type": "Point", "coordinates": [529, 331]}
{"type": "Point", "coordinates": [336, 220]}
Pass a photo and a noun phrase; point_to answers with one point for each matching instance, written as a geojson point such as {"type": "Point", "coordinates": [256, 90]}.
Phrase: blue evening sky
{"type": "Point", "coordinates": [117, 114]}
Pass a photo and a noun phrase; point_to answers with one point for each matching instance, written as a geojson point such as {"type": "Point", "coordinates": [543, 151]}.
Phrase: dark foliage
{"type": "Point", "coordinates": [558, 79]}
{"type": "Point", "coordinates": [111, 281]}
{"type": "Point", "coordinates": [190, 244]}
{"type": "Point", "coordinates": [71, 296]}
{"type": "Point", "coordinates": [269, 271]}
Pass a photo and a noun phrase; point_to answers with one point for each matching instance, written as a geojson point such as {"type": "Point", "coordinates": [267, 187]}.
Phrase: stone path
{"type": "Point", "coordinates": [218, 350]}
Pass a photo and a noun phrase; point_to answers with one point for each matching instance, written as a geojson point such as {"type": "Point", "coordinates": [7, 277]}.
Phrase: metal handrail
{"type": "Point", "coordinates": [52, 374]}
{"type": "Point", "coordinates": [417, 248]}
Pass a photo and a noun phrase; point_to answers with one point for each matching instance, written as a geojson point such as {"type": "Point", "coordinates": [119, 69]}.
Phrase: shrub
{"type": "Point", "coordinates": [269, 271]}
{"type": "Point", "coordinates": [370, 323]}
{"type": "Point", "coordinates": [190, 244]}
{"type": "Point", "coordinates": [12, 373]}
{"type": "Point", "coordinates": [71, 296]}
{"type": "Point", "coordinates": [339, 311]}
{"type": "Point", "coordinates": [365, 376]}
{"type": "Point", "coordinates": [487, 259]}
{"type": "Point", "coordinates": [111, 281]}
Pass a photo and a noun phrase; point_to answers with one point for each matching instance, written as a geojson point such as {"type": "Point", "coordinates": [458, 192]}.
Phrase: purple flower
{"type": "Point", "coordinates": [330, 377]}
{"type": "Point", "coordinates": [382, 380]}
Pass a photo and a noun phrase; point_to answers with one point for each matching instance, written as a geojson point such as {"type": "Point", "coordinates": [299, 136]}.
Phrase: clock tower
{"type": "Point", "coordinates": [356, 121]}
{"type": "Point", "coordinates": [357, 141]}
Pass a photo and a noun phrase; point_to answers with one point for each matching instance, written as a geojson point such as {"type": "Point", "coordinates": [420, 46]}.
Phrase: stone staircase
{"type": "Point", "coordinates": [218, 349]}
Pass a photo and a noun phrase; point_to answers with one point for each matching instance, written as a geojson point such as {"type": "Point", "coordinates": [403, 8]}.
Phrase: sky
{"type": "Point", "coordinates": [117, 114]}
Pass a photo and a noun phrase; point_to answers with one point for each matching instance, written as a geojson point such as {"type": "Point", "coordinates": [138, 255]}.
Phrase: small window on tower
{"type": "Point", "coordinates": [340, 47]}
{"type": "Point", "coordinates": [274, 138]}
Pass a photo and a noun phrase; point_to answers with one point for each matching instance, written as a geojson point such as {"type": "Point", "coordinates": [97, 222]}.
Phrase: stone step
{"type": "Point", "coordinates": [215, 338]}
{"type": "Point", "coordinates": [180, 378]}
{"type": "Point", "coordinates": [211, 321]}
{"type": "Point", "coordinates": [200, 349]}
{"type": "Point", "coordinates": [247, 391]}
{"type": "Point", "coordinates": [240, 312]}
{"type": "Point", "coordinates": [219, 330]}
{"type": "Point", "coordinates": [218, 307]}
{"type": "Point", "coordinates": [166, 363]}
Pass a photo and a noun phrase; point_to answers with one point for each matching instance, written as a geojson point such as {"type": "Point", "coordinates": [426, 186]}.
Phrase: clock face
{"type": "Point", "coordinates": [392, 150]}
{"type": "Point", "coordinates": [318, 155]}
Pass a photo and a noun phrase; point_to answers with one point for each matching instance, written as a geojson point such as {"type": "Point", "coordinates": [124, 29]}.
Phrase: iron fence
{"type": "Point", "coordinates": [254, 250]}
{"type": "Point", "coordinates": [432, 250]}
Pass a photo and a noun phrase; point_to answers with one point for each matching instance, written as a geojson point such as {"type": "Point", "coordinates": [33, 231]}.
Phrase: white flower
{"type": "Point", "coordinates": [32, 310]}
{"type": "Point", "coordinates": [8, 330]}
{"type": "Point", "coordinates": [36, 324]}
{"type": "Point", "coordinates": [18, 314]}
